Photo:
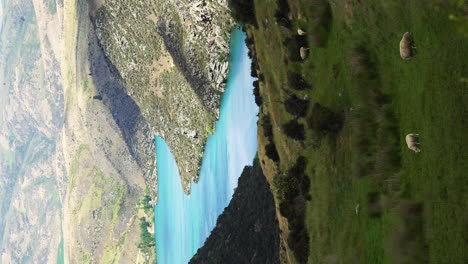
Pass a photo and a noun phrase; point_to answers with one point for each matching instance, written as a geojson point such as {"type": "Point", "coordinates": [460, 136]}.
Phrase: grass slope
{"type": "Point", "coordinates": [413, 207]}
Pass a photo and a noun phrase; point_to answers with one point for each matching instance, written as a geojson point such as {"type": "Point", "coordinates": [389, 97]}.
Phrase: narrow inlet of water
{"type": "Point", "coordinates": [184, 222]}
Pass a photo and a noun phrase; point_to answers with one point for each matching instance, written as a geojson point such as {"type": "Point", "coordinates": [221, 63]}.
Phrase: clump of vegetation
{"type": "Point", "coordinates": [292, 192]}
{"type": "Point", "coordinates": [146, 204]}
{"type": "Point", "coordinates": [243, 11]}
{"type": "Point", "coordinates": [323, 120]}
{"type": "Point", "coordinates": [256, 92]}
{"type": "Point", "coordinates": [296, 106]}
{"type": "Point", "coordinates": [254, 65]}
{"type": "Point", "coordinates": [294, 129]}
{"type": "Point", "coordinates": [147, 239]}
{"type": "Point", "coordinates": [267, 127]}
{"type": "Point", "coordinates": [282, 14]}
{"type": "Point", "coordinates": [271, 152]}
{"type": "Point", "coordinates": [293, 45]}
{"type": "Point", "coordinates": [297, 82]}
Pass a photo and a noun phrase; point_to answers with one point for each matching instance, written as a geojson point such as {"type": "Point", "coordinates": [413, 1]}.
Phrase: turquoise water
{"type": "Point", "coordinates": [184, 222]}
{"type": "Point", "coordinates": [60, 252]}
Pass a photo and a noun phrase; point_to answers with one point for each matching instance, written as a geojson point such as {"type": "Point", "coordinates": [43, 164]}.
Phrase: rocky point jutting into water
{"type": "Point", "coordinates": [173, 60]}
{"type": "Point", "coordinates": [135, 70]}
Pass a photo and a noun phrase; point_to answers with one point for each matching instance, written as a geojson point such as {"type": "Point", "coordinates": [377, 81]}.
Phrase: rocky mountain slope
{"type": "Point", "coordinates": [247, 231]}
{"type": "Point", "coordinates": [122, 87]}
{"type": "Point", "coordinates": [74, 150]}
{"type": "Point", "coordinates": [173, 60]}
{"type": "Point", "coordinates": [108, 151]}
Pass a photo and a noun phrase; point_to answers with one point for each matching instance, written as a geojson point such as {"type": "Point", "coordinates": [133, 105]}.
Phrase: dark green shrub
{"type": "Point", "coordinates": [297, 82]}
{"type": "Point", "coordinates": [298, 172]}
{"type": "Point", "coordinates": [271, 152]}
{"type": "Point", "coordinates": [243, 11]}
{"type": "Point", "coordinates": [296, 106]}
{"type": "Point", "coordinates": [267, 127]}
{"type": "Point", "coordinates": [291, 194]}
{"type": "Point", "coordinates": [258, 100]}
{"type": "Point", "coordinates": [293, 46]}
{"type": "Point", "coordinates": [256, 88]}
{"type": "Point", "coordinates": [294, 130]}
{"type": "Point", "coordinates": [282, 14]}
{"type": "Point", "coordinates": [147, 240]}
{"type": "Point", "coordinates": [254, 67]}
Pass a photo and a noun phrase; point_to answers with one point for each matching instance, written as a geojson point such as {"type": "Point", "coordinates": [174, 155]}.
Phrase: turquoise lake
{"type": "Point", "coordinates": [184, 222]}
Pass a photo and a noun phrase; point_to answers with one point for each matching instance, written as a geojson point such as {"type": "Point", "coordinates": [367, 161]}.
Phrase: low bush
{"type": "Point", "coordinates": [296, 106]}
{"type": "Point", "coordinates": [294, 129]}
{"type": "Point", "coordinates": [243, 11]}
{"type": "Point", "coordinates": [297, 82]}
{"type": "Point", "coordinates": [147, 240]}
{"type": "Point", "coordinates": [267, 127]}
{"type": "Point", "coordinates": [293, 46]}
{"type": "Point", "coordinates": [292, 193]}
{"type": "Point", "coordinates": [271, 152]}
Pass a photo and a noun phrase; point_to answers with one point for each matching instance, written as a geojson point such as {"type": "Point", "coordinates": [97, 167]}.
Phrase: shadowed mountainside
{"type": "Point", "coordinates": [126, 113]}
{"type": "Point", "coordinates": [247, 231]}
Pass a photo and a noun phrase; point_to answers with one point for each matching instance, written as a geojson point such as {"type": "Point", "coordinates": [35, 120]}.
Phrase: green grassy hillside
{"type": "Point", "coordinates": [360, 100]}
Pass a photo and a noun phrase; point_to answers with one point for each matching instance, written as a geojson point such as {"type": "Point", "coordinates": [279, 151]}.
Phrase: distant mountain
{"type": "Point", "coordinates": [32, 171]}
{"type": "Point", "coordinates": [247, 231]}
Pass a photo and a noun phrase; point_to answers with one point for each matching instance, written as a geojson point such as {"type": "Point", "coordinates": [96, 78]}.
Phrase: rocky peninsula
{"type": "Point", "coordinates": [172, 57]}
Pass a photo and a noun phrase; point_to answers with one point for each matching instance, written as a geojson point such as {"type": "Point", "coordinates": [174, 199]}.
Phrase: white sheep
{"type": "Point", "coordinates": [412, 140]}
{"type": "Point", "coordinates": [407, 46]}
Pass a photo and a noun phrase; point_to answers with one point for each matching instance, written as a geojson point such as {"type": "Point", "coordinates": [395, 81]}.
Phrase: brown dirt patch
{"type": "Point", "coordinates": [164, 63]}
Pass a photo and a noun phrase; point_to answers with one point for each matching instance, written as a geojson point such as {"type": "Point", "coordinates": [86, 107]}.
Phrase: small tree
{"type": "Point", "coordinates": [298, 171]}
{"type": "Point", "coordinates": [267, 127]}
{"type": "Point", "coordinates": [294, 130]}
{"type": "Point", "coordinates": [271, 152]}
{"type": "Point", "coordinates": [256, 90]}
{"type": "Point", "coordinates": [297, 82]}
{"type": "Point", "coordinates": [296, 106]}
{"type": "Point", "coordinates": [258, 100]}
{"type": "Point", "coordinates": [243, 11]}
